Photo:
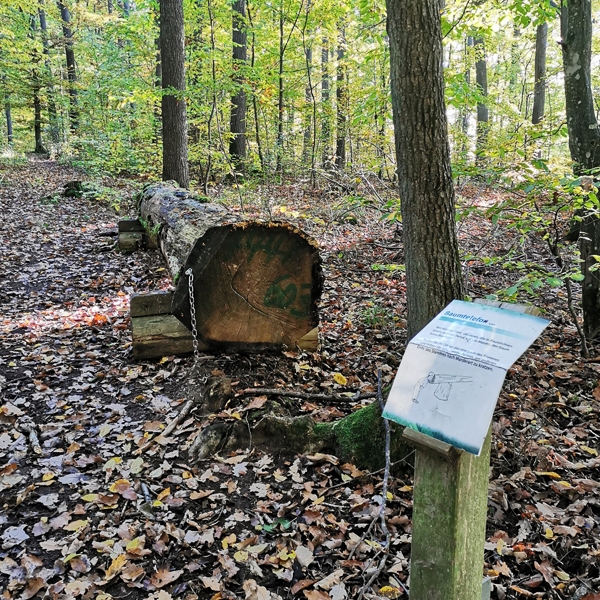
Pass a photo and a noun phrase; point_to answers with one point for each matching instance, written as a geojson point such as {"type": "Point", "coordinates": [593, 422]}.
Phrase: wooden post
{"type": "Point", "coordinates": [449, 513]}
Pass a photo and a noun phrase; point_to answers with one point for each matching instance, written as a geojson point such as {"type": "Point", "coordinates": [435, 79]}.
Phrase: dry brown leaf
{"type": "Point", "coordinates": [164, 577]}
{"type": "Point", "coordinates": [302, 584]}
{"type": "Point", "coordinates": [546, 569]}
{"type": "Point", "coordinates": [316, 595]}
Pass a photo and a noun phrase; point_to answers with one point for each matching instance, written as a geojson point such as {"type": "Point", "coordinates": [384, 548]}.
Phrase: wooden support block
{"type": "Point", "coordinates": [430, 445]}
{"type": "Point", "coordinates": [310, 341]}
{"type": "Point", "coordinates": [150, 303]}
{"type": "Point", "coordinates": [160, 335]}
{"type": "Point", "coordinates": [127, 225]}
{"type": "Point", "coordinates": [150, 242]}
{"type": "Point", "coordinates": [131, 241]}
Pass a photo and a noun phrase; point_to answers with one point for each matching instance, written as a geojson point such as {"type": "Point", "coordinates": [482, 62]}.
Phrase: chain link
{"type": "Point", "coordinates": [193, 313]}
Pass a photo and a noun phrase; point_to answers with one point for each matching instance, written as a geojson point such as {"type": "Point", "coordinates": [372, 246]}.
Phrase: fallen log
{"type": "Point", "coordinates": [255, 284]}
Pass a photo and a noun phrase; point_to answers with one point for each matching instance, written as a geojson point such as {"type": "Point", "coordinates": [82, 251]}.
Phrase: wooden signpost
{"type": "Point", "coordinates": [451, 483]}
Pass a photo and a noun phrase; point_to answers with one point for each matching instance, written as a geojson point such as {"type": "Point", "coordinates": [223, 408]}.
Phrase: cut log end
{"type": "Point", "coordinates": [255, 286]}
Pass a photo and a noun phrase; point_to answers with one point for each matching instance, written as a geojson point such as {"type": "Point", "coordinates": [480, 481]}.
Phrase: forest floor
{"type": "Point", "coordinates": [84, 516]}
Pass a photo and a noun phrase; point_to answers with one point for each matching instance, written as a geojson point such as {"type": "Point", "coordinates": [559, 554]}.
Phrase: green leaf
{"type": "Point", "coordinates": [554, 281]}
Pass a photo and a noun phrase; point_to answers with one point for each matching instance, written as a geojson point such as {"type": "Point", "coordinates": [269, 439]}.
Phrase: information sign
{"type": "Point", "coordinates": [453, 370]}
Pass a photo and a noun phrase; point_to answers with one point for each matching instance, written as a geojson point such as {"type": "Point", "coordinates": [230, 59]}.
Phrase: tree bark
{"type": "Point", "coordinates": [342, 100]}
{"type": "Point", "coordinates": [7, 113]}
{"type": "Point", "coordinates": [255, 285]}
{"type": "Point", "coordinates": [237, 146]}
{"type": "Point", "coordinates": [52, 114]}
{"type": "Point", "coordinates": [483, 116]}
{"type": "Point", "coordinates": [35, 87]}
{"type": "Point", "coordinates": [539, 92]}
{"type": "Point", "coordinates": [279, 144]}
{"type": "Point", "coordinates": [65, 15]}
{"type": "Point", "coordinates": [174, 116]}
{"type": "Point", "coordinates": [433, 273]}
{"type": "Point", "coordinates": [584, 141]}
{"type": "Point", "coordinates": [325, 123]}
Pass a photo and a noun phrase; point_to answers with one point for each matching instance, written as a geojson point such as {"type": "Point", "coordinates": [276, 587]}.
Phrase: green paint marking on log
{"type": "Point", "coordinates": [279, 297]}
{"type": "Point", "coordinates": [270, 245]}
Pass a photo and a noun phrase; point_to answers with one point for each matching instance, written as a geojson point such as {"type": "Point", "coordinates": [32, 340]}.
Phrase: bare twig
{"type": "Point", "coordinates": [171, 426]}
{"type": "Point", "coordinates": [383, 498]}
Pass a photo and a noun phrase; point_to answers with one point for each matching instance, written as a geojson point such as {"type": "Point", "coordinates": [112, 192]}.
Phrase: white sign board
{"type": "Point", "coordinates": [453, 370]}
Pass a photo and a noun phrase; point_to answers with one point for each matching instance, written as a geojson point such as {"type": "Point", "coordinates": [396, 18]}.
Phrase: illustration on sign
{"type": "Point", "coordinates": [442, 383]}
{"type": "Point", "coordinates": [452, 371]}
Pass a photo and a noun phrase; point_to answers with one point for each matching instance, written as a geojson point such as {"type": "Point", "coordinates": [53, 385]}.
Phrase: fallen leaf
{"type": "Point", "coordinates": [164, 577]}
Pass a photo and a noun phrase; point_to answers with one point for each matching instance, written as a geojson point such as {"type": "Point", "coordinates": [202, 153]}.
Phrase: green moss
{"type": "Point", "coordinates": [360, 438]}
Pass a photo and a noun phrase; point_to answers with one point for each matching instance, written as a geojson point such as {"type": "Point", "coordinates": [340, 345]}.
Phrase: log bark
{"type": "Point", "coordinates": [255, 284]}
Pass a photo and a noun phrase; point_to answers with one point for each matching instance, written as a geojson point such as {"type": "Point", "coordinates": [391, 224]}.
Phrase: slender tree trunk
{"type": "Point", "coordinates": [325, 123]}
{"type": "Point", "coordinates": [157, 85]}
{"type": "Point", "coordinates": [237, 146]}
{"type": "Point", "coordinates": [7, 112]}
{"type": "Point", "coordinates": [279, 144]}
{"type": "Point", "coordinates": [52, 113]}
{"type": "Point", "coordinates": [254, 101]}
{"type": "Point", "coordinates": [584, 141]}
{"type": "Point", "coordinates": [465, 111]}
{"type": "Point", "coordinates": [71, 69]}
{"type": "Point", "coordinates": [342, 100]}
{"type": "Point", "coordinates": [36, 86]}
{"type": "Point", "coordinates": [483, 116]}
{"type": "Point", "coordinates": [308, 94]}
{"type": "Point", "coordinates": [433, 272]}
{"type": "Point", "coordinates": [109, 6]}
{"type": "Point", "coordinates": [174, 116]}
{"type": "Point", "coordinates": [539, 94]}
{"type": "Point", "coordinates": [9, 126]}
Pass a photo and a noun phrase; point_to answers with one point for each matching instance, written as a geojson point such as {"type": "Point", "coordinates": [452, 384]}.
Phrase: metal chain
{"type": "Point", "coordinates": [193, 313]}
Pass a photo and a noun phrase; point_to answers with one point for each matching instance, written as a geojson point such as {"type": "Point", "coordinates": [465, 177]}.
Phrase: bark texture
{"type": "Point", "coordinates": [65, 15]}
{"type": "Point", "coordinates": [325, 122]}
{"type": "Point", "coordinates": [174, 116]}
{"type": "Point", "coordinates": [237, 146]}
{"type": "Point", "coordinates": [539, 93]}
{"type": "Point", "coordinates": [584, 138]}
{"type": "Point", "coordinates": [584, 141]}
{"type": "Point", "coordinates": [52, 115]}
{"type": "Point", "coordinates": [433, 270]}
{"type": "Point", "coordinates": [342, 101]}
{"type": "Point", "coordinates": [483, 115]}
{"type": "Point", "coordinates": [256, 285]}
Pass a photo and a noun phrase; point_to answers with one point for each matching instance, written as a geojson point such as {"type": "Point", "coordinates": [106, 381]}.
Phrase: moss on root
{"type": "Point", "coordinates": [360, 438]}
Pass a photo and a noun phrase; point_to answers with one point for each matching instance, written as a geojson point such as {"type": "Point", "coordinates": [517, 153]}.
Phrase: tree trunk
{"type": "Point", "coordinates": [433, 272]}
{"type": "Point", "coordinates": [342, 100]}
{"type": "Point", "coordinates": [256, 285]}
{"type": "Point", "coordinates": [325, 123]}
{"type": "Point", "coordinates": [65, 15]}
{"type": "Point", "coordinates": [7, 112]}
{"type": "Point", "coordinates": [465, 110]}
{"type": "Point", "coordinates": [308, 98]}
{"type": "Point", "coordinates": [174, 116]}
{"type": "Point", "coordinates": [584, 141]}
{"type": "Point", "coordinates": [52, 114]}
{"type": "Point", "coordinates": [237, 146]}
{"type": "Point", "coordinates": [483, 116]}
{"type": "Point", "coordinates": [279, 144]}
{"type": "Point", "coordinates": [157, 83]}
{"type": "Point", "coordinates": [539, 93]}
{"type": "Point", "coordinates": [35, 87]}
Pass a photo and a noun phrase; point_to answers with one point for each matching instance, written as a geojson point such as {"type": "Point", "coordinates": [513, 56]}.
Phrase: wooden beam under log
{"type": "Point", "coordinates": [256, 284]}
